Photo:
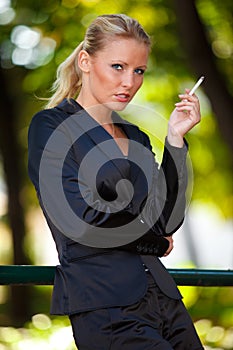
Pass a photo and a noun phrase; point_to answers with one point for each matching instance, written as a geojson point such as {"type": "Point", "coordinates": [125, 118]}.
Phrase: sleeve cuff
{"type": "Point", "coordinates": [178, 154]}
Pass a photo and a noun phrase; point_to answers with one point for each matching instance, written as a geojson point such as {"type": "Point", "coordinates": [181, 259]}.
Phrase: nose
{"type": "Point", "coordinates": [128, 80]}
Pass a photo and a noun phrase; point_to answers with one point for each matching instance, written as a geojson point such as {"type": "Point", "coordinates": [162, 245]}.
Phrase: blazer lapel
{"type": "Point", "coordinates": [88, 126]}
{"type": "Point", "coordinates": [138, 153]}
{"type": "Point", "coordinates": [102, 140]}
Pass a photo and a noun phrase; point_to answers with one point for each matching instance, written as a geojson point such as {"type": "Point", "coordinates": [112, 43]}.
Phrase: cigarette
{"type": "Point", "coordinates": [198, 83]}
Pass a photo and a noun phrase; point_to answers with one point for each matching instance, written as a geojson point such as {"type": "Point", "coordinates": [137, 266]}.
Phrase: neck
{"type": "Point", "coordinates": [100, 113]}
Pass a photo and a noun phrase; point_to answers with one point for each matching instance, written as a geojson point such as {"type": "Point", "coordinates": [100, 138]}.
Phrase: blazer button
{"type": "Point", "coordinates": [139, 248]}
{"type": "Point", "coordinates": [151, 249]}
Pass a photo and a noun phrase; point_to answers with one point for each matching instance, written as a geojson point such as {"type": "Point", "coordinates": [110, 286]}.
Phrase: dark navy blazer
{"type": "Point", "coordinates": [91, 277]}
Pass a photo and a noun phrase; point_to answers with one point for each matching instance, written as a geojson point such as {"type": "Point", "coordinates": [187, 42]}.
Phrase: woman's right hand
{"type": "Point", "coordinates": [184, 117]}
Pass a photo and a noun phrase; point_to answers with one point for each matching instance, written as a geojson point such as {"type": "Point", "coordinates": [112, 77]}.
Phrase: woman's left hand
{"type": "Point", "coordinates": [183, 118]}
{"type": "Point", "coordinates": [171, 245]}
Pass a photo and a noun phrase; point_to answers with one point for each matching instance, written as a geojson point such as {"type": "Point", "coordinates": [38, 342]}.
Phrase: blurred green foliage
{"type": "Point", "coordinates": [58, 26]}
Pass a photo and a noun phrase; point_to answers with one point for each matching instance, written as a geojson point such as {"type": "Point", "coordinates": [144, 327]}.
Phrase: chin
{"type": "Point", "coordinates": [116, 106]}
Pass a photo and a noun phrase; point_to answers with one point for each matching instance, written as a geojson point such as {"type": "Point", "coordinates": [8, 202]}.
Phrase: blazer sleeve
{"type": "Point", "coordinates": [164, 209]}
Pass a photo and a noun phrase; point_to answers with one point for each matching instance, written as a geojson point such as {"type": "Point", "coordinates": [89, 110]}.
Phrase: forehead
{"type": "Point", "coordinates": [128, 49]}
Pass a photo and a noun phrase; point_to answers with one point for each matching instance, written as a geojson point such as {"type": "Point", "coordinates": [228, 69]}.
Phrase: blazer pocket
{"type": "Point", "coordinates": [76, 251]}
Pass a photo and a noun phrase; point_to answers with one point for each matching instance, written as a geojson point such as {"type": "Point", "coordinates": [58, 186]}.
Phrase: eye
{"type": "Point", "coordinates": [139, 71]}
{"type": "Point", "coordinates": [117, 66]}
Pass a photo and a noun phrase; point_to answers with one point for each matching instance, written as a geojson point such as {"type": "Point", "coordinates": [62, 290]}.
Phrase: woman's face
{"type": "Point", "coordinates": [113, 76]}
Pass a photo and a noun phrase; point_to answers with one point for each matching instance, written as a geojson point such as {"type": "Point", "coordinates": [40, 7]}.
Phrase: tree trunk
{"type": "Point", "coordinates": [11, 156]}
{"type": "Point", "coordinates": [202, 61]}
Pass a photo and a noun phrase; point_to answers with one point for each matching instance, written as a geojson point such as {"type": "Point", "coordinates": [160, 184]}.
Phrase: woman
{"type": "Point", "coordinates": [121, 217]}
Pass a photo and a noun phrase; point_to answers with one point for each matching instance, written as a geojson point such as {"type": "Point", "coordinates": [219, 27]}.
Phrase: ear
{"type": "Point", "coordinates": [84, 61]}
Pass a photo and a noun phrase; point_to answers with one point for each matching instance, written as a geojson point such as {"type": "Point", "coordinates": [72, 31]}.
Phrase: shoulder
{"type": "Point", "coordinates": [50, 117]}
{"type": "Point", "coordinates": [44, 122]}
{"type": "Point", "coordinates": [56, 115]}
{"type": "Point", "coordinates": [42, 125]}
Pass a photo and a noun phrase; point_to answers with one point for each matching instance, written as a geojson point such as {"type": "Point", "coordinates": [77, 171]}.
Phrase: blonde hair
{"type": "Point", "coordinates": [100, 31]}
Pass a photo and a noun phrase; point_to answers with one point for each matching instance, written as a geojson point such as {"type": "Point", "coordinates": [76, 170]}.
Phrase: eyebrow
{"type": "Point", "coordinates": [126, 64]}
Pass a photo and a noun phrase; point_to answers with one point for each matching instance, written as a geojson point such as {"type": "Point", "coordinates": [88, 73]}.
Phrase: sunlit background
{"type": "Point", "coordinates": [35, 38]}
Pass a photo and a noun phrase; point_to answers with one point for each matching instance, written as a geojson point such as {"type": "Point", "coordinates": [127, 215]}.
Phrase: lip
{"type": "Point", "coordinates": [122, 97]}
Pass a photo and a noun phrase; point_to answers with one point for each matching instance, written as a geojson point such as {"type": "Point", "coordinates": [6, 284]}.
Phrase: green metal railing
{"type": "Point", "coordinates": [44, 275]}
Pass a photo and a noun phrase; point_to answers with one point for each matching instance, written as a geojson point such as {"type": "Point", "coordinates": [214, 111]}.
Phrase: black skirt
{"type": "Point", "coordinates": [154, 322]}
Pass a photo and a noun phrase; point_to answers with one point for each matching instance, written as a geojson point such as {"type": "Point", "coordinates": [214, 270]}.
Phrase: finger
{"type": "Point", "coordinates": [185, 108]}
{"type": "Point", "coordinates": [168, 252]}
{"type": "Point", "coordinates": [184, 103]}
{"type": "Point", "coordinates": [171, 246]}
{"type": "Point", "coordinates": [188, 104]}
{"type": "Point", "coordinates": [187, 97]}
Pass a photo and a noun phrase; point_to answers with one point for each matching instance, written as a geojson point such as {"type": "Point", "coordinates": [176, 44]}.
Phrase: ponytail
{"type": "Point", "coordinates": [69, 80]}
